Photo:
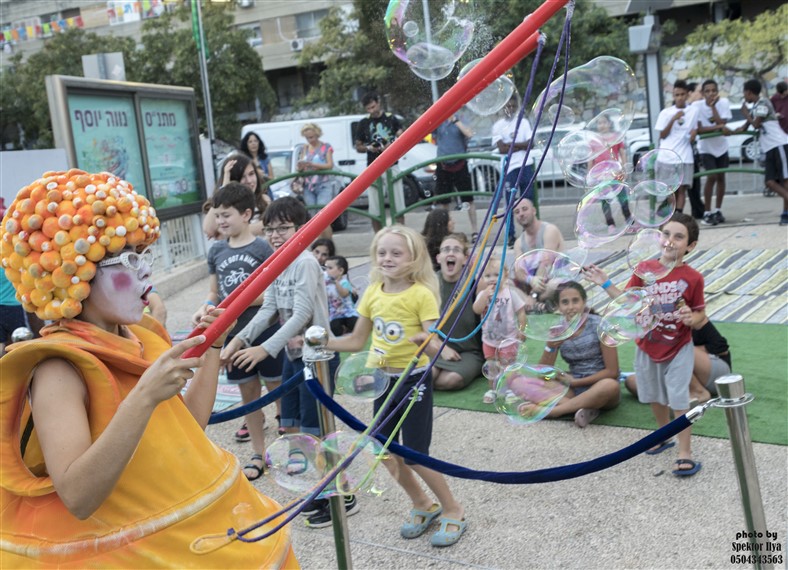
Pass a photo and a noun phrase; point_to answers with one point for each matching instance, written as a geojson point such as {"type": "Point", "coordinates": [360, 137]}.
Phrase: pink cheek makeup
{"type": "Point", "coordinates": [122, 281]}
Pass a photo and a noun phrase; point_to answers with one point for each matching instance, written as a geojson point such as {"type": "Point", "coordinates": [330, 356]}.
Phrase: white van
{"type": "Point", "coordinates": [339, 132]}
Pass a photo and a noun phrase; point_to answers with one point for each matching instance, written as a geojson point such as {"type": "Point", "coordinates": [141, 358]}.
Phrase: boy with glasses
{"type": "Point", "coordinates": [298, 297]}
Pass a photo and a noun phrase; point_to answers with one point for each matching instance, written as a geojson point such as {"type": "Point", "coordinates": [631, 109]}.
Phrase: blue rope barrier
{"type": "Point", "coordinates": [509, 477]}
{"type": "Point", "coordinates": [259, 403]}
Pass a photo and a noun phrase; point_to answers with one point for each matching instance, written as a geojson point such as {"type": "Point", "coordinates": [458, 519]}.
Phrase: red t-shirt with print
{"type": "Point", "coordinates": [664, 341]}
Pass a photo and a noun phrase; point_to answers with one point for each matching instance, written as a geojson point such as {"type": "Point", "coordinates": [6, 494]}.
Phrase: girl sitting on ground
{"type": "Point", "coordinates": [593, 366]}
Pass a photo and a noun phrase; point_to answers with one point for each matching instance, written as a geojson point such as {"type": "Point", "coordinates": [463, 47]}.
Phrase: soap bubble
{"type": "Point", "coordinates": [359, 377]}
{"type": "Point", "coordinates": [296, 462]}
{"type": "Point", "coordinates": [603, 214]}
{"type": "Point", "coordinates": [603, 85]}
{"type": "Point", "coordinates": [493, 97]}
{"type": "Point", "coordinates": [662, 165]}
{"type": "Point", "coordinates": [574, 153]}
{"type": "Point", "coordinates": [649, 209]}
{"type": "Point", "coordinates": [605, 170]}
{"type": "Point", "coordinates": [541, 272]}
{"type": "Point", "coordinates": [526, 393]}
{"type": "Point", "coordinates": [430, 73]}
{"type": "Point", "coordinates": [491, 369]}
{"type": "Point", "coordinates": [428, 44]}
{"type": "Point", "coordinates": [645, 256]}
{"type": "Point", "coordinates": [561, 116]}
{"type": "Point", "coordinates": [362, 473]}
{"type": "Point", "coordinates": [629, 316]}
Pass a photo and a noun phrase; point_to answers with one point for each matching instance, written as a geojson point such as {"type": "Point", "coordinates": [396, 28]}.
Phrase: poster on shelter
{"type": "Point", "coordinates": [174, 171]}
{"type": "Point", "coordinates": [106, 137]}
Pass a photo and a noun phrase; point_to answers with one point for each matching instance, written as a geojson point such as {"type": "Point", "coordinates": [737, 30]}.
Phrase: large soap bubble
{"type": "Point", "coordinates": [493, 97]}
{"type": "Point", "coordinates": [540, 273]}
{"type": "Point", "coordinates": [663, 165]}
{"type": "Point", "coordinates": [361, 474]}
{"type": "Point", "coordinates": [435, 40]}
{"type": "Point", "coordinates": [650, 208]}
{"type": "Point", "coordinates": [645, 256]}
{"type": "Point", "coordinates": [603, 214]}
{"type": "Point", "coordinates": [629, 316]}
{"type": "Point", "coordinates": [527, 393]}
{"type": "Point", "coordinates": [359, 377]}
{"type": "Point", "coordinates": [605, 85]}
{"type": "Point", "coordinates": [296, 462]}
{"type": "Point", "coordinates": [430, 73]}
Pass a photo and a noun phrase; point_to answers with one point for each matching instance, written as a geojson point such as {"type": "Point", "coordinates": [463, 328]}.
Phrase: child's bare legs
{"type": "Point", "coordinates": [405, 475]}
{"type": "Point", "coordinates": [602, 395]}
{"type": "Point", "coordinates": [681, 191]}
{"type": "Point", "coordinates": [447, 380]}
{"type": "Point", "coordinates": [272, 385]}
{"type": "Point", "coordinates": [255, 420]}
{"type": "Point", "coordinates": [662, 415]}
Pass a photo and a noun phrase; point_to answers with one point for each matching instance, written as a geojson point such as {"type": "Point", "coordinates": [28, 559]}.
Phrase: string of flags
{"type": "Point", "coordinates": [45, 29]}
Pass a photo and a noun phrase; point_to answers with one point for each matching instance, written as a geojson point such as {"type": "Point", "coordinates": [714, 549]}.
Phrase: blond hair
{"type": "Point", "coordinates": [312, 127]}
{"type": "Point", "coordinates": [420, 270]}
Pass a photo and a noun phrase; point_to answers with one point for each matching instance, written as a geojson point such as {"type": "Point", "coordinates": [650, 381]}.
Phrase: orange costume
{"type": "Point", "coordinates": [177, 488]}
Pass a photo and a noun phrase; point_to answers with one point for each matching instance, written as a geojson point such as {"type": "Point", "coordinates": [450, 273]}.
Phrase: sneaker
{"type": "Point", "coordinates": [322, 518]}
{"type": "Point", "coordinates": [719, 217]}
{"type": "Point", "coordinates": [709, 219]}
{"type": "Point", "coordinates": [784, 219]}
{"type": "Point", "coordinates": [314, 506]}
{"type": "Point", "coordinates": [243, 434]}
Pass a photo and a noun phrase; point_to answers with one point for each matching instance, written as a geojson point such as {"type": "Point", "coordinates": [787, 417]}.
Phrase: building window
{"type": "Point", "coordinates": [254, 34]}
{"type": "Point", "coordinates": [308, 23]}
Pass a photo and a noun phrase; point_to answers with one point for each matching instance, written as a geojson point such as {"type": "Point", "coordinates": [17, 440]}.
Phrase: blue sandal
{"type": "Point", "coordinates": [694, 467]}
{"type": "Point", "coordinates": [445, 537]}
{"type": "Point", "coordinates": [665, 445]}
{"type": "Point", "coordinates": [420, 521]}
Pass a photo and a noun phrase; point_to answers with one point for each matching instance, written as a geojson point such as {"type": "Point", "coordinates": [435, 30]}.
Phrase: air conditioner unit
{"type": "Point", "coordinates": [245, 3]}
{"type": "Point", "coordinates": [297, 44]}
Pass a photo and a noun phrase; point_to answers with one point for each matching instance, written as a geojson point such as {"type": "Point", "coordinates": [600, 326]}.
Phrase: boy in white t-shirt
{"type": "Point", "coordinates": [676, 126]}
{"type": "Point", "coordinates": [713, 113]}
{"type": "Point", "coordinates": [773, 141]}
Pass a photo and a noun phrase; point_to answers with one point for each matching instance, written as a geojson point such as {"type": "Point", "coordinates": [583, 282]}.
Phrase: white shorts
{"type": "Point", "coordinates": [399, 194]}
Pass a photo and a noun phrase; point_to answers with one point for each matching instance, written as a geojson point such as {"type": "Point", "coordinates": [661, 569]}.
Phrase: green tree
{"type": "Point", "coordinates": [748, 48]}
{"type": "Point", "coordinates": [356, 55]}
{"type": "Point", "coordinates": [235, 70]}
{"type": "Point", "coordinates": [23, 97]}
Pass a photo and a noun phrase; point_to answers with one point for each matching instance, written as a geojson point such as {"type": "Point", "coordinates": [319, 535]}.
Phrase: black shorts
{"type": "Point", "coordinates": [12, 317]}
{"type": "Point", "coordinates": [447, 181]}
{"type": "Point", "coordinates": [417, 427]}
{"type": "Point", "coordinates": [776, 163]}
{"type": "Point", "coordinates": [711, 162]}
{"type": "Point", "coordinates": [270, 368]}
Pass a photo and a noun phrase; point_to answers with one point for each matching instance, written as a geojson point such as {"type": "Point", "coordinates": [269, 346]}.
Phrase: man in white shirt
{"type": "Point", "coordinates": [676, 126]}
{"type": "Point", "coordinates": [773, 141]}
{"type": "Point", "coordinates": [713, 114]}
{"type": "Point", "coordinates": [504, 136]}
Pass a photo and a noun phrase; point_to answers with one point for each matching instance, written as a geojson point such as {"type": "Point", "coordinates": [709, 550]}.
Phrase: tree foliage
{"type": "Point", "coordinates": [356, 55]}
{"type": "Point", "coordinates": [23, 97]}
{"type": "Point", "coordinates": [235, 70]}
{"type": "Point", "coordinates": [167, 56]}
{"type": "Point", "coordinates": [749, 48]}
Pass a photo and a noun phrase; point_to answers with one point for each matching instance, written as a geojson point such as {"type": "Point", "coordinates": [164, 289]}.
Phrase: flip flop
{"type": "Point", "coordinates": [260, 471]}
{"type": "Point", "coordinates": [661, 447]}
{"type": "Point", "coordinates": [694, 468]}
{"type": "Point", "coordinates": [420, 521]}
{"type": "Point", "coordinates": [445, 537]}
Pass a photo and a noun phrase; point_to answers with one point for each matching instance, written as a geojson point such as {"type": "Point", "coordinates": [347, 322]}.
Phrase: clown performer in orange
{"type": "Point", "coordinates": [104, 463]}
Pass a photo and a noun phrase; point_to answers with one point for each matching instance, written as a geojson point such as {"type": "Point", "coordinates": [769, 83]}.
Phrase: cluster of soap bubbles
{"type": "Point", "coordinates": [298, 462]}
{"type": "Point", "coordinates": [432, 42]}
{"type": "Point", "coordinates": [429, 38]}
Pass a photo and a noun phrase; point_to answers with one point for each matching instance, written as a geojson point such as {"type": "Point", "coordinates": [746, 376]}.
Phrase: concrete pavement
{"type": "Point", "coordinates": [635, 515]}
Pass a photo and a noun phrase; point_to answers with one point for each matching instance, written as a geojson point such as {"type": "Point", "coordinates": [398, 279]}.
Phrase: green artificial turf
{"type": "Point", "coordinates": [759, 353]}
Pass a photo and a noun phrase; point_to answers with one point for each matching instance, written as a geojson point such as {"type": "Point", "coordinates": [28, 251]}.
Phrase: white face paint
{"type": "Point", "coordinates": [118, 295]}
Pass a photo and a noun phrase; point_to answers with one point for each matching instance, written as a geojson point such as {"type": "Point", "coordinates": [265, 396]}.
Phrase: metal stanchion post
{"type": "Point", "coordinates": [316, 359]}
{"type": "Point", "coordinates": [733, 399]}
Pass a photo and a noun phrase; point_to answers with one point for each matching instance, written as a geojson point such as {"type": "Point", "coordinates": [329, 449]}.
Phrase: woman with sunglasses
{"type": "Point", "coordinates": [105, 462]}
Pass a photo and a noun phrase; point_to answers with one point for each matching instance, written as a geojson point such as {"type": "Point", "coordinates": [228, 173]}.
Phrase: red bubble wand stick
{"type": "Point", "coordinates": [518, 44]}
